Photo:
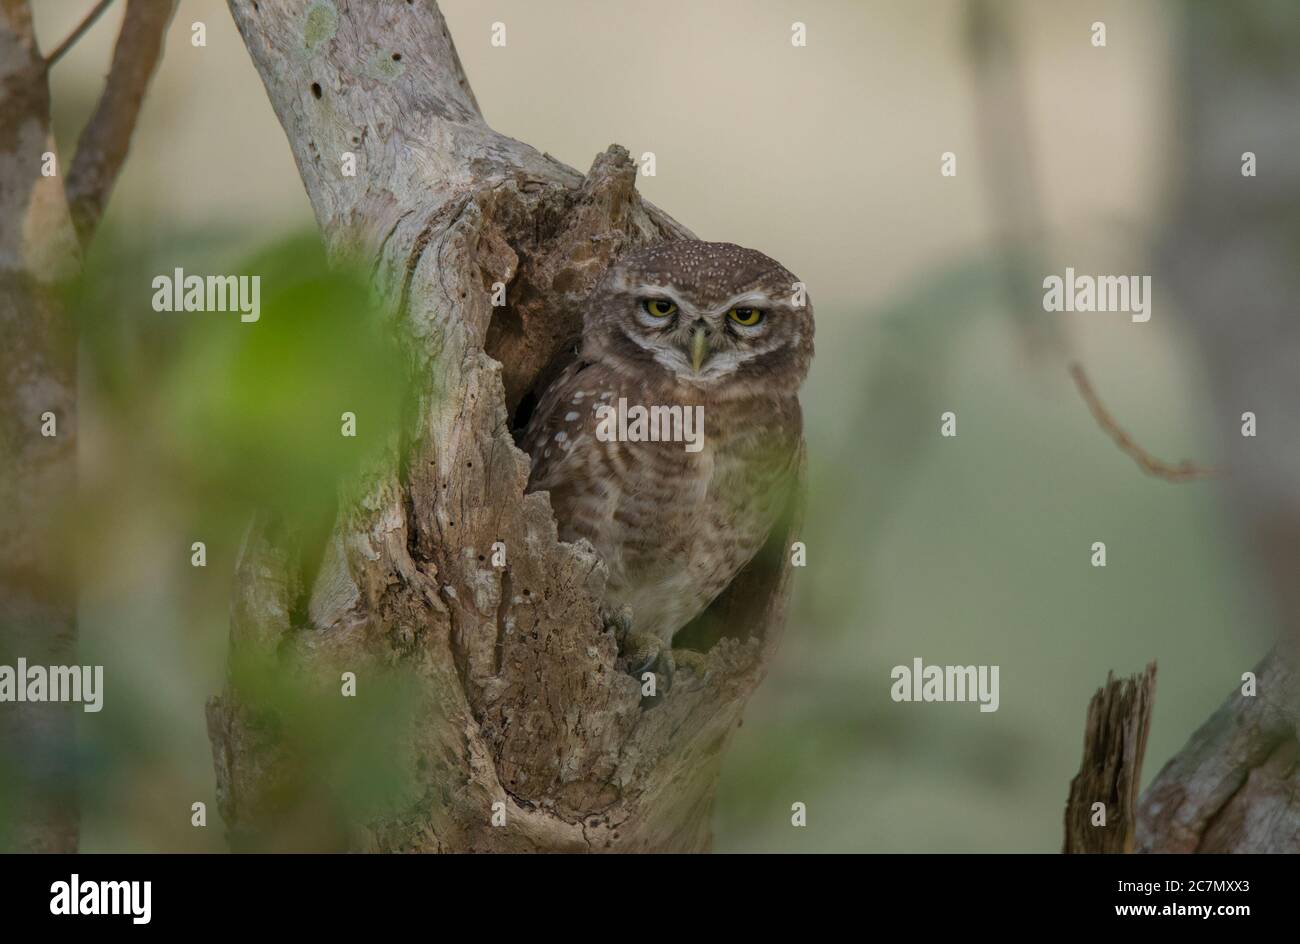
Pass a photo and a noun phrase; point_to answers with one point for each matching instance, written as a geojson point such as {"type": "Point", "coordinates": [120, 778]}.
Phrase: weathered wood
{"type": "Point", "coordinates": [519, 699]}
{"type": "Point", "coordinates": [1114, 743]}
{"type": "Point", "coordinates": [1231, 788]}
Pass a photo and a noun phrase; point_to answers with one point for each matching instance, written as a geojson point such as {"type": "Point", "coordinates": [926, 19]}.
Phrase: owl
{"type": "Point", "coordinates": [689, 334]}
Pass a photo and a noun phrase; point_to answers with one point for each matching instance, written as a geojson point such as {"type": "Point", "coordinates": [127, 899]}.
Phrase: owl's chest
{"type": "Point", "coordinates": [675, 503]}
{"type": "Point", "coordinates": [678, 525]}
{"type": "Point", "coordinates": [682, 483]}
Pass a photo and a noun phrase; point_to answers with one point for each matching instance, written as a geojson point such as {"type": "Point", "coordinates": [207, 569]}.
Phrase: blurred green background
{"type": "Point", "coordinates": [967, 550]}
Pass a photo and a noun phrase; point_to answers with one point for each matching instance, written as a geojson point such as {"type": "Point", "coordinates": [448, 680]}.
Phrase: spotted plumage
{"type": "Point", "coordinates": [667, 327]}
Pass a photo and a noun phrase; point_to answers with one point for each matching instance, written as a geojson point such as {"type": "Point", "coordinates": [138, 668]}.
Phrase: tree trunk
{"type": "Point", "coordinates": [518, 701]}
{"type": "Point", "coordinates": [1232, 788]}
{"type": "Point", "coordinates": [38, 249]}
{"type": "Point", "coordinates": [39, 253]}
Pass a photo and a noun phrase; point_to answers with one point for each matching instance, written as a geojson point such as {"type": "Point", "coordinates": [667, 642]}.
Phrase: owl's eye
{"type": "Point", "coordinates": [659, 307]}
{"type": "Point", "coordinates": [748, 317]}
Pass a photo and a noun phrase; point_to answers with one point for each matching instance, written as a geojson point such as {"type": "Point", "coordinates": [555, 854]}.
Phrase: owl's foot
{"type": "Point", "coordinates": [697, 663]}
{"type": "Point", "coordinates": [636, 651]}
{"type": "Point", "coordinates": [639, 653]}
{"type": "Point", "coordinates": [665, 669]}
{"type": "Point", "coordinates": [618, 622]}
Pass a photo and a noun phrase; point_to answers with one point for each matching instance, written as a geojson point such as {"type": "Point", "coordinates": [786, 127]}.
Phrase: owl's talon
{"type": "Point", "coordinates": [665, 669]}
{"type": "Point", "coordinates": [640, 652]}
{"type": "Point", "coordinates": [637, 652]}
{"type": "Point", "coordinates": [697, 663]}
{"type": "Point", "coordinates": [619, 622]}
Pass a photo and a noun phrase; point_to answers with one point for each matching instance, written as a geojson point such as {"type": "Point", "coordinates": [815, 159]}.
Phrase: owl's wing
{"type": "Point", "coordinates": [558, 424]}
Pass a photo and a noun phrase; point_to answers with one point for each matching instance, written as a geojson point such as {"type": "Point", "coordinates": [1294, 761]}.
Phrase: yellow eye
{"type": "Point", "coordinates": [659, 307]}
{"type": "Point", "coordinates": [746, 316]}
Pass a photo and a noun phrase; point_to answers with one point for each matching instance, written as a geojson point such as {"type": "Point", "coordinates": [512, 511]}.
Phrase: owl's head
{"type": "Point", "coordinates": [715, 316]}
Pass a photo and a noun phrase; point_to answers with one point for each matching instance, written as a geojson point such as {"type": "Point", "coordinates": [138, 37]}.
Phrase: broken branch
{"type": "Point", "coordinates": [1119, 717]}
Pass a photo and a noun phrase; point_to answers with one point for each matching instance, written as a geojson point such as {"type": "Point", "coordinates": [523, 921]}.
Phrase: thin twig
{"type": "Point", "coordinates": [86, 24]}
{"type": "Point", "coordinates": [1185, 471]}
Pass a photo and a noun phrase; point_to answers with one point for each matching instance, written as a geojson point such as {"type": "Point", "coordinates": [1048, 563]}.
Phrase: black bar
{"type": "Point", "coordinates": [336, 892]}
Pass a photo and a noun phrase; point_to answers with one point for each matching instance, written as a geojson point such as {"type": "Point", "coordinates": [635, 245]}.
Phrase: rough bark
{"type": "Point", "coordinates": [1114, 743]}
{"type": "Point", "coordinates": [1232, 787]}
{"type": "Point", "coordinates": [519, 701]}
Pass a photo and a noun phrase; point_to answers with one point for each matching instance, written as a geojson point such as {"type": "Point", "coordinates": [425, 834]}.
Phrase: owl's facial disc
{"type": "Point", "coordinates": [727, 321]}
{"type": "Point", "coordinates": [700, 343]}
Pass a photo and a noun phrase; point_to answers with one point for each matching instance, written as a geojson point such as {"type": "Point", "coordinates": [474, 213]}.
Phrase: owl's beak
{"type": "Point", "coordinates": [699, 348]}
